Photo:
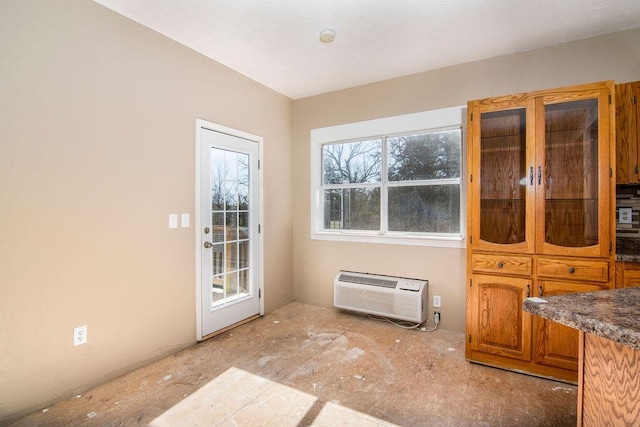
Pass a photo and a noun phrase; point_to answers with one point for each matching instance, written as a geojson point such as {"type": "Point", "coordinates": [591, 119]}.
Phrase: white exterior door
{"type": "Point", "coordinates": [229, 239]}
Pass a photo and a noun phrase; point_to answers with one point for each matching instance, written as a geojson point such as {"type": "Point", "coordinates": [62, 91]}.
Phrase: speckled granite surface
{"type": "Point", "coordinates": [628, 255]}
{"type": "Point", "coordinates": [612, 314]}
{"type": "Point", "coordinates": [628, 250]}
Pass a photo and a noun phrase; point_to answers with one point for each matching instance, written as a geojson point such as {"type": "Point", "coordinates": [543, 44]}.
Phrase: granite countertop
{"type": "Point", "coordinates": [628, 255]}
{"type": "Point", "coordinates": [613, 314]}
{"type": "Point", "coordinates": [628, 249]}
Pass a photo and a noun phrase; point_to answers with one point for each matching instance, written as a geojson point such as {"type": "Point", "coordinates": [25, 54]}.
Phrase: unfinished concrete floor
{"type": "Point", "coordinates": [305, 365]}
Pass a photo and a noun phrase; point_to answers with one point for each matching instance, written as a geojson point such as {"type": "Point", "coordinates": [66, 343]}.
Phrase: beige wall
{"type": "Point", "coordinates": [97, 118]}
{"type": "Point", "coordinates": [615, 57]}
{"type": "Point", "coordinates": [97, 137]}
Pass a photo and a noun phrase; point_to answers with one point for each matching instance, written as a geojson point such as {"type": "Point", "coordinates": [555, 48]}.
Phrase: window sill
{"type": "Point", "coordinates": [448, 241]}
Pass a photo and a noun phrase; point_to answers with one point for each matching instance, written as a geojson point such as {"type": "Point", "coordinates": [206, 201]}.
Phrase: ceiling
{"type": "Point", "coordinates": [276, 42]}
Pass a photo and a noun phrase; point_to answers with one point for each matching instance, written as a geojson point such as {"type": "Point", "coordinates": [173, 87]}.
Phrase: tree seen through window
{"type": "Point", "coordinates": [421, 185]}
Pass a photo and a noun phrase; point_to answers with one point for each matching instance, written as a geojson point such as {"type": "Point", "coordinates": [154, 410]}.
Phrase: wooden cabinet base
{"type": "Point", "coordinates": [627, 274]}
{"type": "Point", "coordinates": [609, 384]}
{"type": "Point", "coordinates": [523, 367]}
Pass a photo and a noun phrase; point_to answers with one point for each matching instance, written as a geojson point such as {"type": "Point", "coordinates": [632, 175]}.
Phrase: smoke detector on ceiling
{"type": "Point", "coordinates": [327, 36]}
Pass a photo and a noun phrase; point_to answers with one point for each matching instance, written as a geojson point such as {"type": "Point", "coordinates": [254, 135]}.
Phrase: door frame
{"type": "Point", "coordinates": [203, 124]}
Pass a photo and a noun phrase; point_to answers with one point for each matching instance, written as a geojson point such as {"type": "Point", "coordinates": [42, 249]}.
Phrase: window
{"type": "Point", "coordinates": [396, 187]}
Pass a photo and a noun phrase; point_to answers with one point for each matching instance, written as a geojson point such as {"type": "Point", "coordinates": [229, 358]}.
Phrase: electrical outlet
{"type": "Point", "coordinates": [437, 301]}
{"type": "Point", "coordinates": [436, 317]}
{"type": "Point", "coordinates": [625, 215]}
{"type": "Point", "coordinates": [80, 335]}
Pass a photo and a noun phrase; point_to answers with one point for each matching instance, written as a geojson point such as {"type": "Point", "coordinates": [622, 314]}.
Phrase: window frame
{"type": "Point", "coordinates": [427, 121]}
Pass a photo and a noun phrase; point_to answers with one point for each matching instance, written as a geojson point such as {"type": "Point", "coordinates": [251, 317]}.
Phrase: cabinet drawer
{"type": "Point", "coordinates": [501, 264]}
{"type": "Point", "coordinates": [573, 269]}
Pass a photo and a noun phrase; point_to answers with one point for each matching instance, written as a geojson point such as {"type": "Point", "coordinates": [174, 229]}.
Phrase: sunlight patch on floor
{"type": "Point", "coordinates": [239, 398]}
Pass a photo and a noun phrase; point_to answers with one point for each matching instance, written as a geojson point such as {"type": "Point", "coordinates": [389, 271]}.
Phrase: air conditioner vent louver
{"type": "Point", "coordinates": [368, 280]}
{"type": "Point", "coordinates": [394, 297]}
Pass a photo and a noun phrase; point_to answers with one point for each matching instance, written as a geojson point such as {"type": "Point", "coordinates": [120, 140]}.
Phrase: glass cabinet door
{"type": "Point", "coordinates": [504, 179]}
{"type": "Point", "coordinates": [572, 174]}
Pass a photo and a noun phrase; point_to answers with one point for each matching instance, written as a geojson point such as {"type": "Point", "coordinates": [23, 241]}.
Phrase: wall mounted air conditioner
{"type": "Point", "coordinates": [386, 296]}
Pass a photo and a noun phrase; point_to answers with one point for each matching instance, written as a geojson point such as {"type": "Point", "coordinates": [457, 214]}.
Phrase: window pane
{"type": "Point", "coordinates": [426, 209]}
{"type": "Point", "coordinates": [431, 155]}
{"type": "Point", "coordinates": [352, 162]}
{"type": "Point", "coordinates": [352, 209]}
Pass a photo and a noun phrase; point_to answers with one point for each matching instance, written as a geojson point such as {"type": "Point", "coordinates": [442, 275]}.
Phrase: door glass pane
{"type": "Point", "coordinates": [243, 254]}
{"type": "Point", "coordinates": [503, 184]}
{"type": "Point", "coordinates": [243, 282]}
{"type": "Point", "coordinates": [231, 285]}
{"type": "Point", "coordinates": [243, 223]}
{"type": "Point", "coordinates": [243, 197]}
{"type": "Point", "coordinates": [217, 290]}
{"type": "Point", "coordinates": [571, 173]}
{"type": "Point", "coordinates": [217, 223]}
{"type": "Point", "coordinates": [217, 259]}
{"type": "Point", "coordinates": [230, 226]}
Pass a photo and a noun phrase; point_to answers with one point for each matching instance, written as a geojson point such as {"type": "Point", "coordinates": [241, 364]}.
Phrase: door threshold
{"type": "Point", "coordinates": [218, 332]}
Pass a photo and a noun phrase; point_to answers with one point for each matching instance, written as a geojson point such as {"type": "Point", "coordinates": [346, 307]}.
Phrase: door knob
{"type": "Point", "coordinates": [208, 245]}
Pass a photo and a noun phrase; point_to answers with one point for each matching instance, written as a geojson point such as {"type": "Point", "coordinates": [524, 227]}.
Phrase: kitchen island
{"type": "Point", "coordinates": [609, 352]}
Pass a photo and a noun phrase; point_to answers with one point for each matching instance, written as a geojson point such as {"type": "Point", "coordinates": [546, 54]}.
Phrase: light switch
{"type": "Point", "coordinates": [184, 220]}
{"type": "Point", "coordinates": [173, 220]}
{"type": "Point", "coordinates": [624, 215]}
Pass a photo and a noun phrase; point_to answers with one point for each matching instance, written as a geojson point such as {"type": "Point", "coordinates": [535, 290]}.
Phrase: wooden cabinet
{"type": "Point", "coordinates": [540, 220]}
{"type": "Point", "coordinates": [501, 328]}
{"type": "Point", "coordinates": [627, 133]}
{"type": "Point", "coordinates": [608, 390]}
{"type": "Point", "coordinates": [627, 274]}
{"type": "Point", "coordinates": [556, 345]}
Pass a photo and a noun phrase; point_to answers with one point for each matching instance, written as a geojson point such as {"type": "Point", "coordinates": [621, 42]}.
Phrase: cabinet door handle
{"type": "Point", "coordinates": [540, 291]}
{"type": "Point", "coordinates": [572, 270]}
{"type": "Point", "coordinates": [531, 175]}
{"type": "Point", "coordinates": [539, 175]}
{"type": "Point", "coordinates": [500, 264]}
{"type": "Point", "coordinates": [528, 291]}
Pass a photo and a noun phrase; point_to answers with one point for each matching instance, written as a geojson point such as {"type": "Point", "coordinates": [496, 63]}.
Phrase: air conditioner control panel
{"type": "Point", "coordinates": [409, 286]}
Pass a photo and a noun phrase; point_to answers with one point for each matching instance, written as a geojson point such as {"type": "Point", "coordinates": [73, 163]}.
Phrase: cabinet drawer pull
{"type": "Point", "coordinates": [528, 291]}
{"type": "Point", "coordinates": [540, 291]}
{"type": "Point", "coordinates": [572, 270]}
{"type": "Point", "coordinates": [500, 264]}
